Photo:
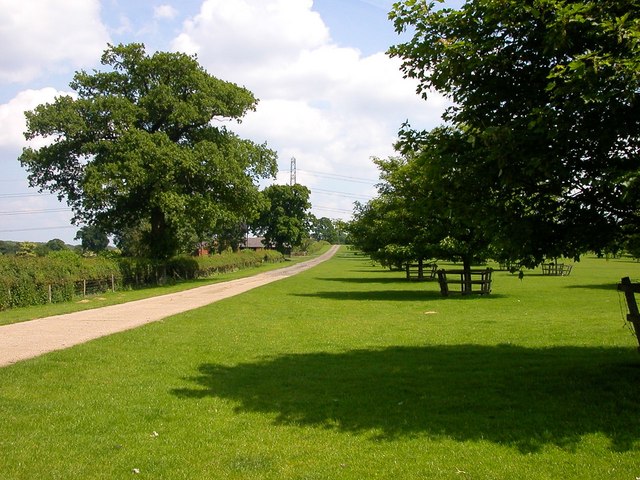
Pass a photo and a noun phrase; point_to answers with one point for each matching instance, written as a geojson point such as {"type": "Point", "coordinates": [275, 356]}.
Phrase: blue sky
{"type": "Point", "coordinates": [329, 96]}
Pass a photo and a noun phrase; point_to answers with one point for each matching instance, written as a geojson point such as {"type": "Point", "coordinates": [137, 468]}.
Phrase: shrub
{"type": "Point", "coordinates": [55, 278]}
{"type": "Point", "coordinates": [30, 280]}
{"type": "Point", "coordinates": [228, 261]}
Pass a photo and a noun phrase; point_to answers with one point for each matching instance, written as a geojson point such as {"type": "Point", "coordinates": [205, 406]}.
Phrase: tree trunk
{"type": "Point", "coordinates": [158, 241]}
{"type": "Point", "coordinates": [420, 269]}
{"type": "Point", "coordinates": [466, 267]}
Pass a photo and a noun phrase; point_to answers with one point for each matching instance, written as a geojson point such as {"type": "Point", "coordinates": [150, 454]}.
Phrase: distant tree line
{"type": "Point", "coordinates": [32, 249]}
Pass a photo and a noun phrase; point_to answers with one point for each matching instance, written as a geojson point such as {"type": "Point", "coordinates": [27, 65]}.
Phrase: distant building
{"type": "Point", "coordinates": [253, 243]}
{"type": "Point", "coordinates": [202, 250]}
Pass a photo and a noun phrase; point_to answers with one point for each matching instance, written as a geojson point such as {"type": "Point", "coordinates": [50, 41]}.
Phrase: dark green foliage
{"type": "Point", "coordinates": [56, 245]}
{"type": "Point", "coordinates": [138, 272]}
{"type": "Point", "coordinates": [8, 247]}
{"type": "Point", "coordinates": [632, 246]}
{"type": "Point", "coordinates": [135, 151]}
{"type": "Point", "coordinates": [229, 236]}
{"type": "Point", "coordinates": [325, 229]}
{"type": "Point", "coordinates": [379, 229]}
{"type": "Point", "coordinates": [284, 220]}
{"type": "Point", "coordinates": [548, 95]}
{"type": "Point", "coordinates": [93, 239]}
{"type": "Point", "coordinates": [228, 261]}
{"type": "Point", "coordinates": [25, 280]}
{"type": "Point", "coordinates": [331, 230]}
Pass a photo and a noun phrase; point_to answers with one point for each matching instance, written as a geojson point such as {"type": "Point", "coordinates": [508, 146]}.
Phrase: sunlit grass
{"type": "Point", "coordinates": [345, 371]}
{"type": "Point", "coordinates": [104, 299]}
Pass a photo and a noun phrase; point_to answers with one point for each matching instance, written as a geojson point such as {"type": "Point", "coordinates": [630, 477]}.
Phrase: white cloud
{"type": "Point", "coordinates": [49, 214]}
{"type": "Point", "coordinates": [124, 27]}
{"type": "Point", "coordinates": [164, 12]}
{"type": "Point", "coordinates": [48, 35]}
{"type": "Point", "coordinates": [329, 106]}
{"type": "Point", "coordinates": [12, 116]}
{"type": "Point", "coordinates": [247, 33]}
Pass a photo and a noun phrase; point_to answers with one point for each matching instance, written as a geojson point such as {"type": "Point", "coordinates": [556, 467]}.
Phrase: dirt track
{"type": "Point", "coordinates": [21, 341]}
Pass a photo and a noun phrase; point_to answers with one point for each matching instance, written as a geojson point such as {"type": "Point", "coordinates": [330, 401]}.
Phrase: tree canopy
{"type": "Point", "coordinates": [328, 229]}
{"type": "Point", "coordinates": [56, 245]}
{"type": "Point", "coordinates": [284, 222]}
{"type": "Point", "coordinates": [141, 149]}
{"type": "Point", "coordinates": [434, 202]}
{"type": "Point", "coordinates": [546, 95]}
{"type": "Point", "coordinates": [92, 239]}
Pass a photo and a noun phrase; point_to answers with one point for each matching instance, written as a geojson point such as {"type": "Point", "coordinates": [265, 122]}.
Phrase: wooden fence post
{"type": "Point", "coordinates": [634, 314]}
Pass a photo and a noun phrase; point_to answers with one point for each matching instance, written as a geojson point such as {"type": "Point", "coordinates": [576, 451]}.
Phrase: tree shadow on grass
{"type": "Point", "coordinates": [603, 286]}
{"type": "Point", "coordinates": [396, 295]}
{"type": "Point", "coordinates": [377, 295]}
{"type": "Point", "coordinates": [352, 256]}
{"type": "Point", "coordinates": [525, 398]}
{"type": "Point", "coordinates": [365, 280]}
{"type": "Point", "coordinates": [378, 270]}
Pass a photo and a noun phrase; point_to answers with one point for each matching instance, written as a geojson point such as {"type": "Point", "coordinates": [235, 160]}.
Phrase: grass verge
{"type": "Point", "coordinates": [345, 371]}
{"type": "Point", "coordinates": [23, 314]}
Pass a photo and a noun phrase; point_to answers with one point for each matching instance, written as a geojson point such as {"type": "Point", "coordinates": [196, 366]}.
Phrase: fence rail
{"type": "Point", "coordinates": [418, 271]}
{"type": "Point", "coordinates": [630, 289]}
{"type": "Point", "coordinates": [43, 293]}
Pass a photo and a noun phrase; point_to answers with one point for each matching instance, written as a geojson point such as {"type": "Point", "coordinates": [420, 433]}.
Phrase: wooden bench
{"type": "Point", "coordinates": [633, 317]}
{"type": "Point", "coordinates": [480, 282]}
{"type": "Point", "coordinates": [428, 271]}
{"type": "Point", "coordinates": [556, 269]}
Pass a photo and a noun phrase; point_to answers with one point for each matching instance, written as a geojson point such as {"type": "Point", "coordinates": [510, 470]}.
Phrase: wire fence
{"type": "Point", "coordinates": [39, 294]}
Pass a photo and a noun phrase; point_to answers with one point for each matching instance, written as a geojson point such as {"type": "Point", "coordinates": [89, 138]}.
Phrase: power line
{"type": "Point", "coordinates": [23, 195]}
{"type": "Point", "coordinates": [340, 194]}
{"type": "Point", "coordinates": [32, 212]}
{"type": "Point", "coordinates": [341, 210]}
{"type": "Point", "coordinates": [335, 176]}
{"type": "Point", "coordinates": [13, 230]}
{"type": "Point", "coordinates": [348, 178]}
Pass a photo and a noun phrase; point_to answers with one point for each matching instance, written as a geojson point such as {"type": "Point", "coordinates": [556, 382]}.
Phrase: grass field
{"type": "Point", "coordinates": [346, 371]}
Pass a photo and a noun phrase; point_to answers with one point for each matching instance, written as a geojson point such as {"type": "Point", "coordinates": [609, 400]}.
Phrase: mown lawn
{"type": "Point", "coordinates": [346, 371]}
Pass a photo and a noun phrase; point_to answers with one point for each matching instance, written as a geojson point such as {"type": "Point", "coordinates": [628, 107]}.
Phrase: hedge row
{"type": "Point", "coordinates": [143, 271]}
{"type": "Point", "coordinates": [55, 278]}
{"type": "Point", "coordinates": [230, 262]}
{"type": "Point", "coordinates": [28, 281]}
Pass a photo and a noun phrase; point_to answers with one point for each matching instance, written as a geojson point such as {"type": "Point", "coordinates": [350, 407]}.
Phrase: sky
{"type": "Point", "coordinates": [329, 95]}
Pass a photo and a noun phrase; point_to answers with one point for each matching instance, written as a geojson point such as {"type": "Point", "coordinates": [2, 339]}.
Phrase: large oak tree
{"type": "Point", "coordinates": [143, 147]}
